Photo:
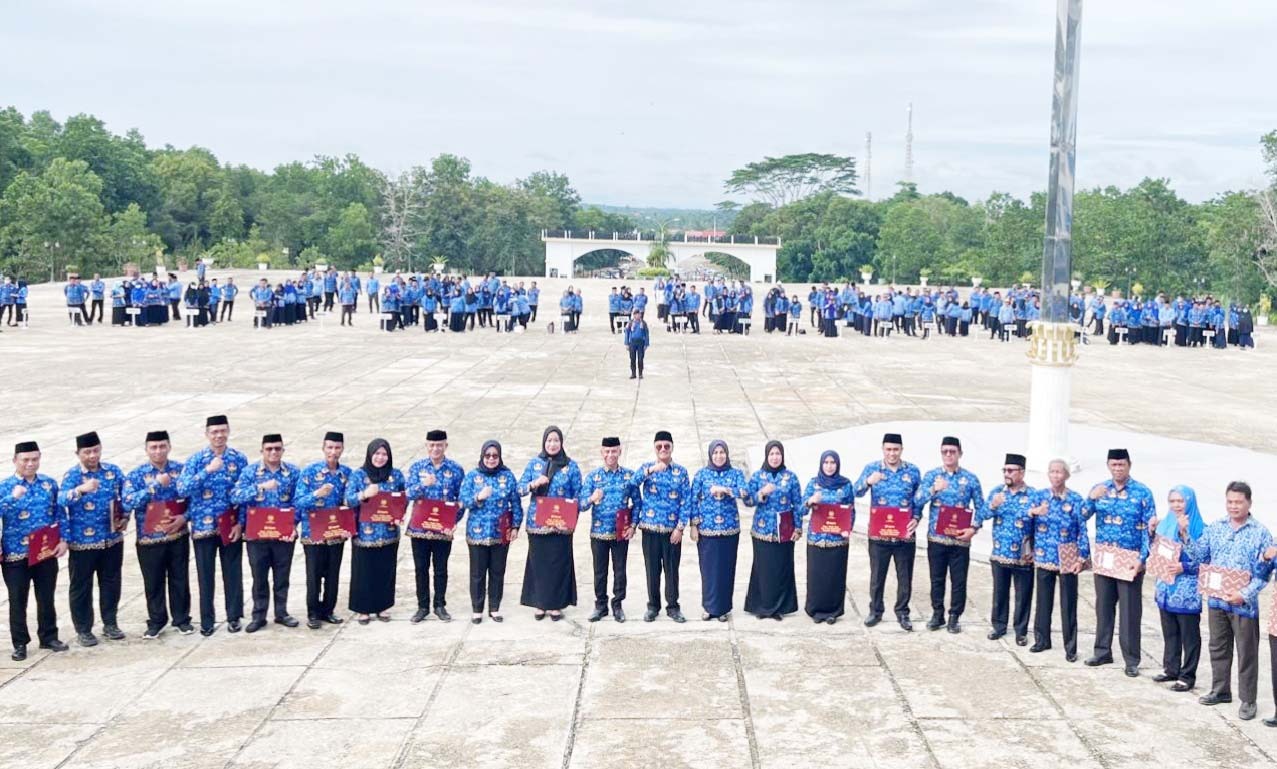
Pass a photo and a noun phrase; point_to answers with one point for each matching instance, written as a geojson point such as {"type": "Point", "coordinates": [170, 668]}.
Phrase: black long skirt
{"type": "Point", "coordinates": [372, 578]}
{"type": "Point", "coordinates": [826, 582]}
{"type": "Point", "coordinates": [772, 589]}
{"type": "Point", "coordinates": [549, 577]}
{"type": "Point", "coordinates": [718, 572]}
{"type": "Point", "coordinates": [118, 316]}
{"type": "Point", "coordinates": [457, 322]}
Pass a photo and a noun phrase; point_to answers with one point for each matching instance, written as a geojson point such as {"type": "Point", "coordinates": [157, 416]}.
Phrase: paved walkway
{"type": "Point", "coordinates": [572, 694]}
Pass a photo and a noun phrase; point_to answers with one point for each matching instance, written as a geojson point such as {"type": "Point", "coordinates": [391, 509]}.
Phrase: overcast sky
{"type": "Point", "coordinates": [655, 103]}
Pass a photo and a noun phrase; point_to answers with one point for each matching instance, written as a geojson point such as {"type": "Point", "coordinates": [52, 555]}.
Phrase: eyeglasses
{"type": "Point", "coordinates": [948, 451]}
{"type": "Point", "coordinates": [491, 455]}
{"type": "Point", "coordinates": [272, 448]}
{"type": "Point", "coordinates": [1008, 470]}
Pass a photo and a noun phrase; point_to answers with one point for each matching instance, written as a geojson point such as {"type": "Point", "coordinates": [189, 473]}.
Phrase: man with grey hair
{"type": "Point", "coordinates": [1060, 548]}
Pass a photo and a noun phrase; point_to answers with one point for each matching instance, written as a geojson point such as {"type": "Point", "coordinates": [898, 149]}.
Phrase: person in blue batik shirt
{"type": "Point", "coordinates": [1122, 508]}
{"type": "Point", "coordinates": [1240, 543]}
{"type": "Point", "coordinates": [1178, 601]}
{"type": "Point", "coordinates": [322, 486]}
{"type": "Point", "coordinates": [163, 556]}
{"type": "Point", "coordinates": [777, 495]}
{"type": "Point", "coordinates": [948, 557]}
{"type": "Point", "coordinates": [605, 492]}
{"type": "Point", "coordinates": [637, 338]}
{"type": "Point", "coordinates": [549, 577]}
{"type": "Point", "coordinates": [891, 482]}
{"type": "Point", "coordinates": [439, 478]}
{"type": "Point", "coordinates": [270, 483]}
{"type": "Point", "coordinates": [207, 480]}
{"type": "Point", "coordinates": [1008, 507]}
{"type": "Point", "coordinates": [494, 514]}
{"type": "Point", "coordinates": [29, 501]}
{"type": "Point", "coordinates": [717, 489]}
{"type": "Point", "coordinates": [1057, 523]}
{"type": "Point", "coordinates": [92, 523]}
{"type": "Point", "coordinates": [375, 546]}
{"type": "Point", "coordinates": [827, 551]}
{"type": "Point", "coordinates": [663, 515]}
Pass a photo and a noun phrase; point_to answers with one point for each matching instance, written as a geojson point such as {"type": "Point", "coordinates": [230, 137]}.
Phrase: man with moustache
{"type": "Point", "coordinates": [605, 492]}
{"type": "Point", "coordinates": [437, 478]}
{"type": "Point", "coordinates": [667, 498]}
{"type": "Point", "coordinates": [92, 523]}
{"type": "Point", "coordinates": [163, 556]}
{"type": "Point", "coordinates": [269, 483]}
{"type": "Point", "coordinates": [322, 486]}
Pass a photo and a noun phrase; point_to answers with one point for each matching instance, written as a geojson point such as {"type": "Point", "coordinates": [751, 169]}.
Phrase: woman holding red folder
{"type": "Point", "coordinates": [827, 551]}
{"type": "Point", "coordinates": [375, 545]}
{"type": "Point", "coordinates": [715, 528]}
{"type": "Point", "coordinates": [494, 514]}
{"type": "Point", "coordinates": [549, 577]}
{"type": "Point", "coordinates": [773, 592]}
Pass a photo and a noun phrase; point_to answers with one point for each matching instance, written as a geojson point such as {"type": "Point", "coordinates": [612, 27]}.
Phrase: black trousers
{"type": "Point", "coordinates": [165, 570]}
{"type": "Point", "coordinates": [328, 299]}
{"type": "Point", "coordinates": [881, 556]}
{"type": "Point", "coordinates": [271, 562]}
{"type": "Point", "coordinates": [487, 576]}
{"type": "Point", "coordinates": [83, 566]}
{"type": "Point", "coordinates": [228, 309]}
{"type": "Point", "coordinates": [950, 561]}
{"type": "Point", "coordinates": [1182, 636]}
{"type": "Point", "coordinates": [616, 551]}
{"type": "Point", "coordinates": [95, 310]}
{"type": "Point", "coordinates": [425, 554]}
{"type": "Point", "coordinates": [1226, 631]}
{"type": "Point", "coordinates": [661, 558]}
{"type": "Point", "coordinates": [1003, 577]}
{"type": "Point", "coordinates": [19, 579]}
{"type": "Point", "coordinates": [636, 360]}
{"type": "Point", "coordinates": [1046, 580]}
{"type": "Point", "coordinates": [209, 551]}
{"type": "Point", "coordinates": [1114, 596]}
{"type": "Point", "coordinates": [323, 567]}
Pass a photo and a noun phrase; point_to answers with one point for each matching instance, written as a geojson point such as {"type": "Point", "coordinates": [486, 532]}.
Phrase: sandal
{"type": "Point", "coordinates": [539, 616]}
{"type": "Point", "coordinates": [496, 617]}
{"type": "Point", "coordinates": [382, 617]}
{"type": "Point", "coordinates": [555, 616]}
{"type": "Point", "coordinates": [363, 619]}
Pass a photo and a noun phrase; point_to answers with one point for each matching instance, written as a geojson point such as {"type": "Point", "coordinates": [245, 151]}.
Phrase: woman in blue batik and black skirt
{"type": "Point", "coordinates": [549, 576]}
{"type": "Point", "coordinates": [715, 527]}
{"type": "Point", "coordinates": [375, 548]}
{"type": "Point", "coordinates": [774, 490]}
{"type": "Point", "coordinates": [827, 551]}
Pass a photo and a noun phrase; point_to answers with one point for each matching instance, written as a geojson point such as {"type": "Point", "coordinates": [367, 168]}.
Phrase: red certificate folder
{"type": "Point", "coordinates": [623, 518]}
{"type": "Point", "coordinates": [161, 514]}
{"type": "Point", "coordinates": [270, 523]}
{"type": "Point", "coordinates": [434, 515]}
{"type": "Point", "coordinates": [330, 522]}
{"type": "Point", "coordinates": [952, 520]}
{"type": "Point", "coordinates": [1162, 557]}
{"type": "Point", "coordinates": [505, 526]}
{"type": "Point", "coordinates": [889, 522]}
{"type": "Point", "coordinates": [385, 507]}
{"type": "Point", "coordinates": [119, 518]}
{"type": "Point", "coordinates": [1112, 561]}
{"type": "Point", "coordinates": [831, 519]}
{"type": "Point", "coordinates": [42, 543]}
{"type": "Point", "coordinates": [557, 513]}
{"type": "Point", "coordinates": [225, 523]}
{"type": "Point", "coordinates": [1216, 582]}
{"type": "Point", "coordinates": [785, 526]}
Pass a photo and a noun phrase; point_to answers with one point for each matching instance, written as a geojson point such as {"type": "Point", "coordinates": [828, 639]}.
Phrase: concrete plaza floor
{"type": "Point", "coordinates": [574, 694]}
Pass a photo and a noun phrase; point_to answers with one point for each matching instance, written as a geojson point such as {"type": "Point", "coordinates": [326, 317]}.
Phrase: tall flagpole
{"type": "Point", "coordinates": [1053, 348]}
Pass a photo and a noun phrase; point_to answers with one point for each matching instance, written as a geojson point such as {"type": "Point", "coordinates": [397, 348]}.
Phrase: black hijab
{"type": "Point", "coordinates": [378, 474]}
{"type": "Point", "coordinates": [553, 464]}
{"type": "Point", "coordinates": [483, 468]}
{"type": "Point", "coordinates": [767, 450]}
{"type": "Point", "coordinates": [727, 463]}
{"type": "Point", "coordinates": [835, 481]}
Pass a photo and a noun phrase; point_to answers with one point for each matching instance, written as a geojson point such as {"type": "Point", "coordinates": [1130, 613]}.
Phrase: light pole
{"type": "Point", "coordinates": [1130, 277]}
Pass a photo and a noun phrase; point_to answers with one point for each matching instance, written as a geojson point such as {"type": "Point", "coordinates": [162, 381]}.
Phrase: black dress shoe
{"type": "Point", "coordinates": [313, 623]}
{"type": "Point", "coordinates": [677, 616]}
{"type": "Point", "coordinates": [618, 615]}
{"type": "Point", "coordinates": [1070, 657]}
{"type": "Point", "coordinates": [1271, 721]}
{"type": "Point", "coordinates": [86, 639]}
{"type": "Point", "coordinates": [1162, 678]}
{"type": "Point", "coordinates": [873, 619]}
{"type": "Point", "coordinates": [476, 620]}
{"type": "Point", "coordinates": [442, 614]}
{"type": "Point", "coordinates": [184, 628]}
{"type": "Point", "coordinates": [113, 633]}
{"type": "Point", "coordinates": [496, 617]}
{"type": "Point", "coordinates": [1021, 640]}
{"type": "Point", "coordinates": [1095, 662]}
{"type": "Point", "coordinates": [954, 626]}
{"type": "Point", "coordinates": [1182, 687]}
{"type": "Point", "coordinates": [1211, 698]}
{"type": "Point", "coordinates": [1039, 647]}
{"type": "Point", "coordinates": [255, 625]}
{"type": "Point", "coordinates": [906, 624]}
{"type": "Point", "coordinates": [936, 622]}
{"type": "Point", "coordinates": [649, 615]}
{"type": "Point", "coordinates": [19, 653]}
{"type": "Point", "coordinates": [995, 634]}
{"type": "Point", "coordinates": [419, 616]}
{"type": "Point", "coordinates": [597, 615]}
{"type": "Point", "coordinates": [233, 626]}
{"type": "Point", "coordinates": [287, 620]}
{"type": "Point", "coordinates": [206, 631]}
{"type": "Point", "coordinates": [333, 619]}
{"type": "Point", "coordinates": [55, 646]}
{"type": "Point", "coordinates": [1131, 671]}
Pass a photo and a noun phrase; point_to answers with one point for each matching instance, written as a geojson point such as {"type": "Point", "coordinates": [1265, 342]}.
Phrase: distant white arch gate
{"type": "Point", "coordinates": [564, 247]}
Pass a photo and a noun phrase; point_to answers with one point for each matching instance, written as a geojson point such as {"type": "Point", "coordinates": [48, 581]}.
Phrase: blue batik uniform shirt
{"type": "Point", "coordinates": [209, 494]}
{"type": "Point", "coordinates": [85, 520]}
{"type": "Point", "coordinates": [446, 488]}
{"type": "Point", "coordinates": [21, 517]}
{"type": "Point", "coordinates": [963, 491]}
{"type": "Point", "coordinates": [619, 491]}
